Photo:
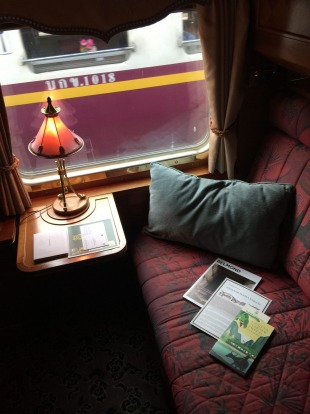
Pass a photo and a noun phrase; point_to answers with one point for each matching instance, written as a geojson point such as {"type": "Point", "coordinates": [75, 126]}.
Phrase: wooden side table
{"type": "Point", "coordinates": [42, 219]}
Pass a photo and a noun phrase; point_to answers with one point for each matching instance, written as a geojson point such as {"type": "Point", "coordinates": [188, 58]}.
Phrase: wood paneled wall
{"type": "Point", "coordinates": [282, 32]}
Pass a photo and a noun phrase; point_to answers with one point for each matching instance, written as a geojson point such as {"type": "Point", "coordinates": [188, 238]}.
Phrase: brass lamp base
{"type": "Point", "coordinates": [72, 206]}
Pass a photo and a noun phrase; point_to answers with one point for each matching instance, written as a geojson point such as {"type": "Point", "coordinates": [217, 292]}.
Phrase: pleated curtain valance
{"type": "Point", "coordinates": [100, 18]}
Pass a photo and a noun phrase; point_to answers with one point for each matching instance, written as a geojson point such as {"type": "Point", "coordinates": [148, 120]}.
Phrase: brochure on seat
{"type": "Point", "coordinates": [242, 341]}
{"type": "Point", "coordinates": [211, 279]}
{"type": "Point", "coordinates": [91, 237]}
{"type": "Point", "coordinates": [223, 306]}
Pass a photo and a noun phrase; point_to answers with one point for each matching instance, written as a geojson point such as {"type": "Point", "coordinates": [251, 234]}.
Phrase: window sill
{"type": "Point", "coordinates": [99, 185]}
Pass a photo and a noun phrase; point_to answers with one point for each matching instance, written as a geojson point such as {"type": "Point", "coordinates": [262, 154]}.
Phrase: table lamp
{"type": "Point", "coordinates": [55, 140]}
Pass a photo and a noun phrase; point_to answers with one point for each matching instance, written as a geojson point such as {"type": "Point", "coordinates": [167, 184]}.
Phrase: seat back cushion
{"type": "Point", "coordinates": [285, 158]}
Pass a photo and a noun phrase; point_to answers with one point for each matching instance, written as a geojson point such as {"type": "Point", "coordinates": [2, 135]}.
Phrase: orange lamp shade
{"type": "Point", "coordinates": [54, 139]}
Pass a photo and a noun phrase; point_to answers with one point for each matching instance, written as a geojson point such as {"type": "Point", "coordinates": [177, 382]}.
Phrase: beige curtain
{"type": "Point", "coordinates": [14, 198]}
{"type": "Point", "coordinates": [223, 27]}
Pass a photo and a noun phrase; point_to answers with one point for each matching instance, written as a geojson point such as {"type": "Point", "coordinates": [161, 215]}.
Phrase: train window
{"type": "Point", "coordinates": [45, 52]}
{"type": "Point", "coordinates": [190, 39]}
{"type": "Point", "coordinates": [151, 106]}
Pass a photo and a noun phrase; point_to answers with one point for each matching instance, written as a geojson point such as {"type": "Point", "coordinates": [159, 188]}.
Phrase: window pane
{"type": "Point", "coordinates": [151, 102]}
{"type": "Point", "coordinates": [191, 41]}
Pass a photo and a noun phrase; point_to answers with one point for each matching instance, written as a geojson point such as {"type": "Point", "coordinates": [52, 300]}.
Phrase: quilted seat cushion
{"type": "Point", "coordinates": [285, 158]}
{"type": "Point", "coordinates": [278, 383]}
{"type": "Point", "coordinates": [290, 114]}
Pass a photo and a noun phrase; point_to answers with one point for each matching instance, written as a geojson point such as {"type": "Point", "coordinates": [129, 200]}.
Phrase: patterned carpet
{"type": "Point", "coordinates": [78, 343]}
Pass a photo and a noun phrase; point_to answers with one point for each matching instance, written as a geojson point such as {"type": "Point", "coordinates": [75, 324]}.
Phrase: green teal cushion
{"type": "Point", "coordinates": [228, 217]}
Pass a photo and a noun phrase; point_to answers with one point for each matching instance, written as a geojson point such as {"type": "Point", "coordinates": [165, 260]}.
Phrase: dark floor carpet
{"type": "Point", "coordinates": [78, 343]}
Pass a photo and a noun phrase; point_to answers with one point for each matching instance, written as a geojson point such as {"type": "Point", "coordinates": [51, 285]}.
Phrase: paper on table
{"type": "Point", "coordinates": [91, 237]}
{"type": "Point", "coordinates": [48, 245]}
{"type": "Point", "coordinates": [94, 235]}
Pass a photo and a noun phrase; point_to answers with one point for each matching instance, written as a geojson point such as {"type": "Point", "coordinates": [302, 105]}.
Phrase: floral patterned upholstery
{"type": "Point", "coordinates": [279, 382]}
{"type": "Point", "coordinates": [285, 158]}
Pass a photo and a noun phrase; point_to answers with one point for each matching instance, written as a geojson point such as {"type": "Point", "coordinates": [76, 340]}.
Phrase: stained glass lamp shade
{"type": "Point", "coordinates": [55, 140]}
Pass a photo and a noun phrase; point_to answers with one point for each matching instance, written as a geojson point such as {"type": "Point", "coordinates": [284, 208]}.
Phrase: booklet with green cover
{"type": "Point", "coordinates": [243, 340]}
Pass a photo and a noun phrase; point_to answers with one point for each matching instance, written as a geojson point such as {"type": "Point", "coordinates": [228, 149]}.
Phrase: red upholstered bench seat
{"type": "Point", "coordinates": [279, 382]}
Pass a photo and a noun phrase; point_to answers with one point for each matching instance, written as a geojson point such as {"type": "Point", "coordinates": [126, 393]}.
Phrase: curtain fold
{"type": "Point", "coordinates": [223, 28]}
{"type": "Point", "coordinates": [100, 18]}
{"type": "Point", "coordinates": [14, 199]}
